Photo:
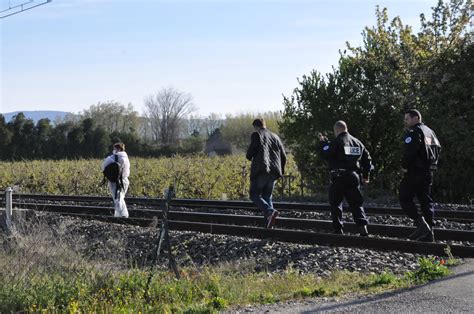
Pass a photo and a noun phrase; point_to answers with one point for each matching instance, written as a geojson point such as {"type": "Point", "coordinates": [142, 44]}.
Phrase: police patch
{"type": "Point", "coordinates": [325, 147]}
{"type": "Point", "coordinates": [351, 150]}
{"type": "Point", "coordinates": [408, 140]}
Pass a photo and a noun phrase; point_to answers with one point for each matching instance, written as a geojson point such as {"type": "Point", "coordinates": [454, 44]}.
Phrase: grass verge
{"type": "Point", "coordinates": [90, 288]}
{"type": "Point", "coordinates": [42, 271]}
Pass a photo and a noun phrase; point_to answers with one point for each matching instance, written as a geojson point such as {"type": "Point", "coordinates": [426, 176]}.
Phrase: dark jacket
{"type": "Point", "coordinates": [346, 153]}
{"type": "Point", "coordinates": [266, 153]}
{"type": "Point", "coordinates": [421, 149]}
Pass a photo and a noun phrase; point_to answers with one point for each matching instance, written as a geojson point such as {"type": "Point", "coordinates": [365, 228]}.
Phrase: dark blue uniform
{"type": "Point", "coordinates": [348, 159]}
{"type": "Point", "coordinates": [421, 150]}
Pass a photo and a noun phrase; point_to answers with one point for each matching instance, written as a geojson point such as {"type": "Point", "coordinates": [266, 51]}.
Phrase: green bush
{"type": "Point", "coordinates": [429, 269]}
{"type": "Point", "coordinates": [373, 84]}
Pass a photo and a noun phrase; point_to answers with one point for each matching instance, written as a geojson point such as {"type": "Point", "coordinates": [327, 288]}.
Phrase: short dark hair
{"type": "Point", "coordinates": [414, 113]}
{"type": "Point", "coordinates": [259, 123]}
{"type": "Point", "coordinates": [120, 146]}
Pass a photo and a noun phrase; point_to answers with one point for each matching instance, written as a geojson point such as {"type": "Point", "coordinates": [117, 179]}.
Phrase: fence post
{"type": "Point", "coordinates": [8, 208]}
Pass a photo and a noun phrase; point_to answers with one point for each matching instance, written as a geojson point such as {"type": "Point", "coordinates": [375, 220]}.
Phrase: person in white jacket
{"type": "Point", "coordinates": [119, 196]}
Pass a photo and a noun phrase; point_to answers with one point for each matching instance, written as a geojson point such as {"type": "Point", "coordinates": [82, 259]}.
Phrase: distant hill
{"type": "Point", "coordinates": [37, 115]}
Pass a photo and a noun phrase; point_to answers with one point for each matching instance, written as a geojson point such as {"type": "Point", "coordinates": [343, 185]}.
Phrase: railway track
{"type": "Point", "coordinates": [297, 236]}
{"type": "Point", "coordinates": [247, 220]}
{"type": "Point", "coordinates": [450, 215]}
{"type": "Point", "coordinates": [245, 225]}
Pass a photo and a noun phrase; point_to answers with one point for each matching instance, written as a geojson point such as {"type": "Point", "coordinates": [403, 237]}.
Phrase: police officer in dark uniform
{"type": "Point", "coordinates": [348, 159]}
{"type": "Point", "coordinates": [421, 149]}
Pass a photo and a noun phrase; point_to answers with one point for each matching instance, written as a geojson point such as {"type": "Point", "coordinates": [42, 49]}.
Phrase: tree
{"type": "Point", "coordinates": [205, 126]}
{"type": "Point", "coordinates": [42, 147]}
{"type": "Point", "coordinates": [5, 137]}
{"type": "Point", "coordinates": [193, 144]}
{"type": "Point", "coordinates": [22, 130]}
{"type": "Point", "coordinates": [212, 122]}
{"type": "Point", "coordinates": [238, 129]}
{"type": "Point", "coordinates": [166, 111]}
{"type": "Point", "coordinates": [447, 93]}
{"type": "Point", "coordinates": [113, 116]}
{"type": "Point", "coordinates": [191, 125]}
{"type": "Point", "coordinates": [132, 142]}
{"type": "Point", "coordinates": [59, 140]}
{"type": "Point", "coordinates": [101, 142]}
{"type": "Point", "coordinates": [75, 143]}
{"type": "Point", "coordinates": [373, 84]}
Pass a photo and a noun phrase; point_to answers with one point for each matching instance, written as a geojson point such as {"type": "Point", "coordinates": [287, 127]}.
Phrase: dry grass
{"type": "Point", "coordinates": [42, 267]}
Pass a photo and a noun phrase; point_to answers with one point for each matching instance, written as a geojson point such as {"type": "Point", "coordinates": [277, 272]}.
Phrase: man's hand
{"type": "Point", "coordinates": [404, 170]}
{"type": "Point", "coordinates": [365, 181]}
{"type": "Point", "coordinates": [322, 138]}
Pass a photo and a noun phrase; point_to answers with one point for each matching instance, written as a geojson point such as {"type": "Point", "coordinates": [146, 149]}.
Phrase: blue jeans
{"type": "Point", "coordinates": [261, 189]}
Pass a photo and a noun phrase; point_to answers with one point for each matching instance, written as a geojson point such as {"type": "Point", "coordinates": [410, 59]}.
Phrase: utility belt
{"type": "Point", "coordinates": [424, 165]}
{"type": "Point", "coordinates": [335, 173]}
{"type": "Point", "coordinates": [424, 169]}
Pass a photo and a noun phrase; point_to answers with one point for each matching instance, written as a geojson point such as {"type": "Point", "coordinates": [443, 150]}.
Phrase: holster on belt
{"type": "Point", "coordinates": [336, 173]}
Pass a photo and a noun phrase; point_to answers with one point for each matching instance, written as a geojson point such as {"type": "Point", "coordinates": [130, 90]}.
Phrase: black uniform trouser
{"type": "Point", "coordinates": [417, 183]}
{"type": "Point", "coordinates": [346, 185]}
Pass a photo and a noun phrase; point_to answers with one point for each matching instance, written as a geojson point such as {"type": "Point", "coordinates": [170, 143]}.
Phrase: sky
{"type": "Point", "coordinates": [232, 56]}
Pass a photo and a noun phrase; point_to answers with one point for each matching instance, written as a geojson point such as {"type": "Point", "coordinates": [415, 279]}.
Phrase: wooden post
{"type": "Point", "coordinates": [8, 208]}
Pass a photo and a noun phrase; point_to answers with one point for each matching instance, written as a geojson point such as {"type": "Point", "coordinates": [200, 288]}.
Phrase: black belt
{"type": "Point", "coordinates": [340, 170]}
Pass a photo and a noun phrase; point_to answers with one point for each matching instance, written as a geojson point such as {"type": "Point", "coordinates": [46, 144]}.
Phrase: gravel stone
{"type": "Point", "coordinates": [132, 246]}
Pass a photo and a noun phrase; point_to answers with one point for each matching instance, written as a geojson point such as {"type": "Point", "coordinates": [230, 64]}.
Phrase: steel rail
{"type": "Point", "coordinates": [454, 215]}
{"type": "Point", "coordinates": [248, 220]}
{"type": "Point", "coordinates": [296, 236]}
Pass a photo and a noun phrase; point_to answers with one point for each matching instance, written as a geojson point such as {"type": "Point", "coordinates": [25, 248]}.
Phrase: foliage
{"type": "Point", "coordinates": [42, 269]}
{"type": "Point", "coordinates": [393, 70]}
{"type": "Point", "coordinates": [384, 278]}
{"type": "Point", "coordinates": [430, 269]}
{"type": "Point", "coordinates": [196, 176]}
{"type": "Point", "coordinates": [237, 129]}
{"type": "Point", "coordinates": [92, 133]}
{"type": "Point", "coordinates": [113, 116]}
{"type": "Point", "coordinates": [202, 126]}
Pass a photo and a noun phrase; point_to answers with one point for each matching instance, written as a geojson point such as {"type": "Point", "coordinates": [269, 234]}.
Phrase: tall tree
{"type": "Point", "coordinates": [166, 111]}
{"type": "Point", "coordinates": [393, 70]}
{"type": "Point", "coordinates": [5, 137]}
{"type": "Point", "coordinates": [237, 129]}
{"type": "Point", "coordinates": [212, 122]}
{"type": "Point", "coordinates": [113, 116]}
{"type": "Point", "coordinates": [41, 143]}
{"type": "Point", "coordinates": [58, 139]}
{"type": "Point", "coordinates": [22, 130]}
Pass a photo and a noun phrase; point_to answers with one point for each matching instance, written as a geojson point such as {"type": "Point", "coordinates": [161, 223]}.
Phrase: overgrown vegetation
{"type": "Point", "coordinates": [196, 176]}
{"type": "Point", "coordinates": [395, 69]}
{"type": "Point", "coordinates": [41, 269]}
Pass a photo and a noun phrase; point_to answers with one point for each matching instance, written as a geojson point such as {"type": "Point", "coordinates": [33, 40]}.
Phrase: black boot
{"type": "Point", "coordinates": [421, 231]}
{"type": "Point", "coordinates": [363, 231]}
{"type": "Point", "coordinates": [428, 237]}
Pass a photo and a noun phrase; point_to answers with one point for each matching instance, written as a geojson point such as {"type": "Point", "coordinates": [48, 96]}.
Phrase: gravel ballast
{"type": "Point", "coordinates": [132, 246]}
